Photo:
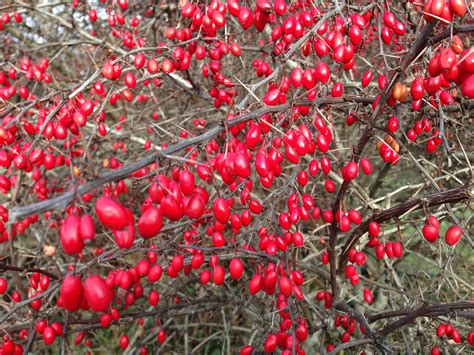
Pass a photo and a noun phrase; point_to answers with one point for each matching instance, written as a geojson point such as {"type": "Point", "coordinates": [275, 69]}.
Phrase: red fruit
{"type": "Point", "coordinates": [303, 178]}
{"type": "Point", "coordinates": [71, 240]}
{"type": "Point", "coordinates": [111, 213]}
{"type": "Point", "coordinates": [280, 7]}
{"type": "Point", "coordinates": [171, 209]}
{"type": "Point", "coordinates": [355, 35]}
{"type": "Point", "coordinates": [272, 97]}
{"type": "Point", "coordinates": [297, 77]}
{"type": "Point", "coordinates": [345, 337]}
{"type": "Point", "coordinates": [368, 297]}
{"type": "Point", "coordinates": [205, 277]}
{"type": "Point", "coordinates": [125, 238]}
{"type": "Point", "coordinates": [380, 250]}
{"type": "Point", "coordinates": [325, 165]}
{"type": "Point", "coordinates": [366, 166]}
{"type": "Point", "coordinates": [453, 234]}
{"type": "Point", "coordinates": [87, 227]}
{"type": "Point", "coordinates": [389, 19]}
{"type": "Point", "coordinates": [441, 330]}
{"type": "Point", "coordinates": [124, 341]}
{"type": "Point", "coordinates": [430, 233]}
{"type": "Point", "coordinates": [284, 285]}
{"type": "Point", "coordinates": [350, 171]}
{"type": "Point", "coordinates": [337, 90]}
{"type": "Point", "coordinates": [447, 58]}
{"type": "Point", "coordinates": [270, 344]}
{"type": "Point", "coordinates": [218, 275]}
{"type": "Point", "coordinates": [3, 285]}
{"type": "Point", "coordinates": [417, 89]}
{"type": "Point", "coordinates": [195, 207]}
{"type": "Point", "coordinates": [186, 182]}
{"type": "Point", "coordinates": [382, 82]}
{"type": "Point", "coordinates": [167, 66]}
{"type": "Point", "coordinates": [449, 329]}
{"type": "Point", "coordinates": [155, 272]}
{"type": "Point", "coordinates": [392, 124]}
{"type": "Point", "coordinates": [150, 223]}
{"type": "Point", "coordinates": [218, 239]}
{"type": "Point", "coordinates": [467, 61]}
{"type": "Point", "coordinates": [218, 19]}
{"type": "Point", "coordinates": [264, 6]}
{"type": "Point", "coordinates": [71, 293]}
{"type": "Point", "coordinates": [397, 249]}
{"type": "Point", "coordinates": [108, 71]}
{"type": "Point", "coordinates": [153, 298]}
{"type": "Point", "coordinates": [255, 284]}
{"type": "Point", "coordinates": [350, 271]}
{"type": "Point", "coordinates": [241, 165]}
{"type": "Point", "coordinates": [309, 80]}
{"type": "Point", "coordinates": [255, 206]}
{"type": "Point", "coordinates": [355, 216]}
{"type": "Point", "coordinates": [152, 66]}
{"type": "Point", "coordinates": [432, 220]}
{"type": "Point", "coordinates": [366, 78]}
{"type": "Point", "coordinates": [49, 335]}
{"type": "Point", "coordinates": [130, 80]}
{"type": "Point", "coordinates": [374, 229]}
{"type": "Point", "coordinates": [139, 60]}
{"type": "Point", "coordinates": [252, 137]}
{"type": "Point", "coordinates": [467, 87]}
{"type": "Point", "coordinates": [470, 338]}
{"type": "Point", "coordinates": [386, 35]}
{"type": "Point", "coordinates": [329, 186]}
{"type": "Point", "coordinates": [123, 4]}
{"type": "Point", "coordinates": [236, 268]}
{"type": "Point", "coordinates": [245, 17]}
{"type": "Point", "coordinates": [221, 210]}
{"type": "Point", "coordinates": [458, 7]}
{"type": "Point", "coordinates": [399, 28]}
{"type": "Point", "coordinates": [456, 336]}
{"type": "Point", "coordinates": [411, 134]}
{"type": "Point", "coordinates": [96, 293]}
{"type": "Point", "coordinates": [322, 72]}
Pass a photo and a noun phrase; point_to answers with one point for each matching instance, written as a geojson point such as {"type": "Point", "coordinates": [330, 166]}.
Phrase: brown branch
{"type": "Point", "coordinates": [421, 310]}
{"type": "Point", "coordinates": [436, 310]}
{"type": "Point", "coordinates": [63, 200]}
{"type": "Point", "coordinates": [368, 331]}
{"type": "Point", "coordinates": [417, 47]}
{"type": "Point", "coordinates": [455, 30]}
{"type": "Point", "coordinates": [458, 194]}
{"type": "Point", "coordinates": [29, 269]}
{"type": "Point", "coordinates": [21, 304]}
{"type": "Point", "coordinates": [348, 345]}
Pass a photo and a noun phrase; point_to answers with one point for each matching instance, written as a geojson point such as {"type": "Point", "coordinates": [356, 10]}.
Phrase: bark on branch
{"type": "Point", "coordinates": [458, 194]}
{"type": "Point", "coordinates": [18, 213]}
{"type": "Point", "coordinates": [417, 47]}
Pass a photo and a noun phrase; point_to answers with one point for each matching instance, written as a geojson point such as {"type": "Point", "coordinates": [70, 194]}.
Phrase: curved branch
{"type": "Point", "coordinates": [29, 269]}
{"type": "Point", "coordinates": [417, 47]}
{"type": "Point", "coordinates": [458, 194]}
{"type": "Point", "coordinates": [455, 30]}
{"type": "Point", "coordinates": [348, 345]}
{"type": "Point", "coordinates": [437, 310]}
{"type": "Point", "coordinates": [63, 200]}
{"type": "Point", "coordinates": [421, 310]}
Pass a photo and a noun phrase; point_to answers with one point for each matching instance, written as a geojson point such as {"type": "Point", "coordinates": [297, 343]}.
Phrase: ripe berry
{"type": "Point", "coordinates": [374, 229]}
{"type": "Point", "coordinates": [453, 234]}
{"type": "Point", "coordinates": [430, 233]}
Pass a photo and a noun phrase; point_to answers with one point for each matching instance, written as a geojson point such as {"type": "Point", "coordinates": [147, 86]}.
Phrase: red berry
{"type": "Point", "coordinates": [453, 234]}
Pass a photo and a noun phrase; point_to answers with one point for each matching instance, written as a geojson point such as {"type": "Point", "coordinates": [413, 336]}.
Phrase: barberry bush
{"type": "Point", "coordinates": [246, 176]}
